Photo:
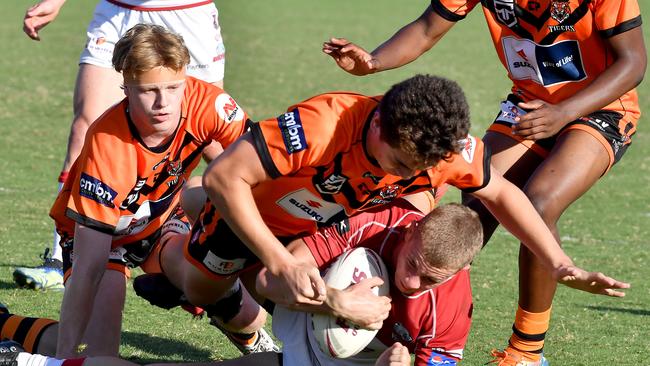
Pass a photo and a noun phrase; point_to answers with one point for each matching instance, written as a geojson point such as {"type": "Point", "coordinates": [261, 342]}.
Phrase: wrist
{"type": "Point", "coordinates": [280, 263]}
{"type": "Point", "coordinates": [333, 302]}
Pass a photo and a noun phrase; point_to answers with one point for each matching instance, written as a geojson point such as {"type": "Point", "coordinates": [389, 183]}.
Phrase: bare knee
{"type": "Point", "coordinates": [193, 198]}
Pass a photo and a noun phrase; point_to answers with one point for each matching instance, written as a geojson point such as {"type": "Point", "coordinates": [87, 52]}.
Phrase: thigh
{"type": "Point", "coordinates": [574, 164]}
{"type": "Point", "coordinates": [199, 27]}
{"type": "Point", "coordinates": [102, 334]}
{"type": "Point", "coordinates": [515, 161]}
{"type": "Point", "coordinates": [97, 88]}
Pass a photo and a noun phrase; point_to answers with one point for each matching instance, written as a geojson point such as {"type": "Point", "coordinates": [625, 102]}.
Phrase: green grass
{"type": "Point", "coordinates": [273, 60]}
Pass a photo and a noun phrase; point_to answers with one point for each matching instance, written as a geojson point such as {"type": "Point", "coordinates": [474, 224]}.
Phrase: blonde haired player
{"type": "Point", "coordinates": [195, 20]}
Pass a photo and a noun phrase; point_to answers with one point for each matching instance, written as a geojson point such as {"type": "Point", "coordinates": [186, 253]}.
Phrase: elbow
{"type": "Point", "coordinates": [214, 180]}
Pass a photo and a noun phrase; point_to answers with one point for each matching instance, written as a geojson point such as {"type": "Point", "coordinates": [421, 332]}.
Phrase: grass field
{"type": "Point", "coordinates": [274, 59]}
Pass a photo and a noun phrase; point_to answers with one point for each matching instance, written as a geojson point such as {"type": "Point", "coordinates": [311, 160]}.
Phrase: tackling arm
{"type": "Point", "coordinates": [228, 181]}
{"type": "Point", "coordinates": [515, 212]}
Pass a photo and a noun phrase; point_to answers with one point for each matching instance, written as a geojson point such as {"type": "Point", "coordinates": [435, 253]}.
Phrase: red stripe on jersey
{"type": "Point", "coordinates": [160, 8]}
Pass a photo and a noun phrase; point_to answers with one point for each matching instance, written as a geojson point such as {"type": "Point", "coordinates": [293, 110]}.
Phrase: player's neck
{"type": "Point", "coordinates": [157, 134]}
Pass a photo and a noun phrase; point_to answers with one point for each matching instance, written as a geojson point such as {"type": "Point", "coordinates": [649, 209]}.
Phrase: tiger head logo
{"type": "Point", "coordinates": [560, 10]}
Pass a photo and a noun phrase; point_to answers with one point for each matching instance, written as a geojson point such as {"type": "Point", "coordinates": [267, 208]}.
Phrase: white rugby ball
{"type": "Point", "coordinates": [338, 337]}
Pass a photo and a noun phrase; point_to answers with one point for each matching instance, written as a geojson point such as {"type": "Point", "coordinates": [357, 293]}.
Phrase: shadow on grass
{"type": "Point", "coordinates": [620, 310]}
{"type": "Point", "coordinates": [8, 285]}
{"type": "Point", "coordinates": [163, 348]}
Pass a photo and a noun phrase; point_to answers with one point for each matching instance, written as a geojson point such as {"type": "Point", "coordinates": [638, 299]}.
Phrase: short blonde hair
{"type": "Point", "coordinates": [146, 46]}
{"type": "Point", "coordinates": [451, 235]}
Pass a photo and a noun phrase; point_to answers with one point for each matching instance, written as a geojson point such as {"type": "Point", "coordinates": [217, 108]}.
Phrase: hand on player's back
{"type": "Point", "coordinates": [350, 57]}
{"type": "Point", "coordinates": [593, 282]}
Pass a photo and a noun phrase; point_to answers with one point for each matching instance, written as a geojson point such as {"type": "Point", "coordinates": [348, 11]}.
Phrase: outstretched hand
{"type": "Point", "coordinates": [350, 57]}
{"type": "Point", "coordinates": [594, 282]}
{"type": "Point", "coordinates": [40, 15]}
{"type": "Point", "coordinates": [543, 120]}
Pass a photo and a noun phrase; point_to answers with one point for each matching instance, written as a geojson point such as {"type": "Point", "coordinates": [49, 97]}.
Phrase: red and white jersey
{"type": "Point", "coordinates": [433, 324]}
{"type": "Point", "coordinates": [159, 5]}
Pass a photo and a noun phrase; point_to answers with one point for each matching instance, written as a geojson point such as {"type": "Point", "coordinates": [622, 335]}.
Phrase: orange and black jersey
{"type": "Point", "coordinates": [554, 48]}
{"type": "Point", "coordinates": [315, 153]}
{"type": "Point", "coordinates": [121, 187]}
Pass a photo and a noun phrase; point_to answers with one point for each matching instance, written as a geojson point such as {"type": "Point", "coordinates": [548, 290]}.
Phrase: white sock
{"type": "Point", "coordinates": [28, 359]}
{"type": "Point", "coordinates": [57, 252]}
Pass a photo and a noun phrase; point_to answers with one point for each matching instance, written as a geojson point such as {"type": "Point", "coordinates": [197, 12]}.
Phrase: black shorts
{"type": "Point", "coordinates": [216, 250]}
{"type": "Point", "coordinates": [608, 127]}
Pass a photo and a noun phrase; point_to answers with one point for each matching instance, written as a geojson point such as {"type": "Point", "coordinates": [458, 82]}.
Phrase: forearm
{"type": "Point", "coordinates": [76, 310]}
{"type": "Point", "coordinates": [334, 305]}
{"type": "Point", "coordinates": [514, 211]}
{"type": "Point", "coordinates": [234, 200]}
{"type": "Point", "coordinates": [411, 41]}
{"type": "Point", "coordinates": [624, 74]}
{"type": "Point", "coordinates": [618, 79]}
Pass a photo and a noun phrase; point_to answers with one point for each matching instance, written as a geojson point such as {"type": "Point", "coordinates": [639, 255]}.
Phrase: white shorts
{"type": "Point", "coordinates": [299, 347]}
{"type": "Point", "coordinates": [199, 27]}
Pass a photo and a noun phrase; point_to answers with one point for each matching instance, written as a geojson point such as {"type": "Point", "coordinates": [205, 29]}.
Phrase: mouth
{"type": "Point", "coordinates": [161, 117]}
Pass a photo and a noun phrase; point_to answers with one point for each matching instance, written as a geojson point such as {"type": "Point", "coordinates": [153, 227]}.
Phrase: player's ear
{"type": "Point", "coordinates": [374, 122]}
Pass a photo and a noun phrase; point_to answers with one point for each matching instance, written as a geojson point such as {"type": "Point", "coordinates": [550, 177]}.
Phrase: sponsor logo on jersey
{"type": "Point", "coordinates": [505, 12]}
{"type": "Point", "coordinates": [560, 10]}
{"type": "Point", "coordinates": [305, 205]}
{"type": "Point", "coordinates": [227, 109]}
{"type": "Point", "coordinates": [223, 266]}
{"type": "Point", "coordinates": [544, 64]}
{"type": "Point", "coordinates": [292, 132]}
{"type": "Point", "coordinates": [469, 148]}
{"type": "Point", "coordinates": [440, 359]}
{"type": "Point", "coordinates": [332, 184]}
{"type": "Point", "coordinates": [96, 190]}
{"type": "Point", "coordinates": [97, 44]}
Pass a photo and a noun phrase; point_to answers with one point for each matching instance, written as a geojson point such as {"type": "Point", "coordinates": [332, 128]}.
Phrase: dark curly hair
{"type": "Point", "coordinates": [425, 116]}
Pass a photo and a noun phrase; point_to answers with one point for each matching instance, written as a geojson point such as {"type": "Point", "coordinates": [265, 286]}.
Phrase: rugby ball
{"type": "Point", "coordinates": [338, 337]}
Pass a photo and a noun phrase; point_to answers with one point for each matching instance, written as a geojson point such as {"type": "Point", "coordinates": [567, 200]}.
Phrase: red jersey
{"type": "Point", "coordinates": [121, 187]}
{"type": "Point", "coordinates": [321, 172]}
{"type": "Point", "coordinates": [554, 48]}
{"type": "Point", "coordinates": [432, 323]}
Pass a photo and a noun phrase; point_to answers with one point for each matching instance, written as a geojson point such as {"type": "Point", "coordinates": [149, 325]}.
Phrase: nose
{"type": "Point", "coordinates": [162, 100]}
